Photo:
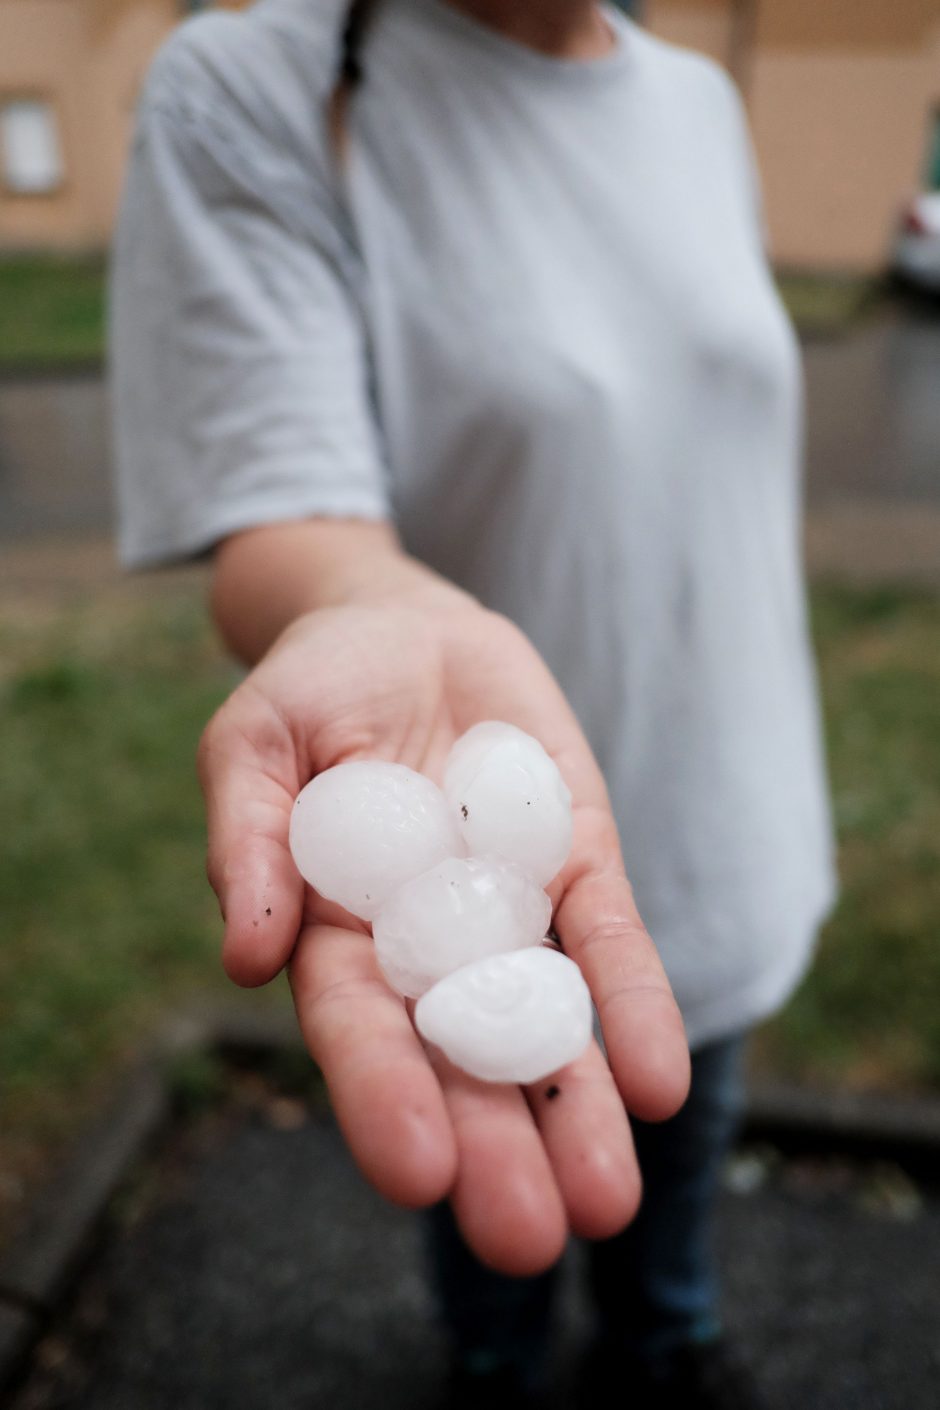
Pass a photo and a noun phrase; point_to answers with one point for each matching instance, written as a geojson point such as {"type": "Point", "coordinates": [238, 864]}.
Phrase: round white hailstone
{"type": "Point", "coordinates": [461, 910]}
{"type": "Point", "coordinates": [469, 751]}
{"type": "Point", "coordinates": [360, 830]}
{"type": "Point", "coordinates": [510, 798]}
{"type": "Point", "coordinates": [509, 1018]}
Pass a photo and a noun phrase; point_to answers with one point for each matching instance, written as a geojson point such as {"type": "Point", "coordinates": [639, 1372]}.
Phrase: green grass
{"type": "Point", "coordinates": [107, 919]}
{"type": "Point", "coordinates": [51, 312]}
{"type": "Point", "coordinates": [108, 922]}
{"type": "Point", "coordinates": [868, 1014]}
{"type": "Point", "coordinates": [823, 304]}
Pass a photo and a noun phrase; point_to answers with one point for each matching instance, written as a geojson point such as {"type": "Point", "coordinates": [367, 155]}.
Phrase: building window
{"type": "Point", "coordinates": [30, 150]}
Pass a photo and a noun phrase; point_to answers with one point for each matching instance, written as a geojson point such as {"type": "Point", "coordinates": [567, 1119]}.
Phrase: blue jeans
{"type": "Point", "coordinates": [655, 1286]}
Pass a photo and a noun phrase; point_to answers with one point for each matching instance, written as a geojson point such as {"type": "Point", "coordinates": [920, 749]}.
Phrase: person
{"type": "Point", "coordinates": [446, 327]}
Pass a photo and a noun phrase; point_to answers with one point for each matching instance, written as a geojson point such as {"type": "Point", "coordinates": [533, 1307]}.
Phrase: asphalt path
{"type": "Point", "coordinates": [260, 1273]}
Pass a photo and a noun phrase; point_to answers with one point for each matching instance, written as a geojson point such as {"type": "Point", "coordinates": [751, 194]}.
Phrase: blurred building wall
{"type": "Point", "coordinates": [843, 96]}
{"type": "Point", "coordinates": [84, 60]}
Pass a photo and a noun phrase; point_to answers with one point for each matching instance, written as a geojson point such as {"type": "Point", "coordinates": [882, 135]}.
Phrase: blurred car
{"type": "Point", "coordinates": [917, 244]}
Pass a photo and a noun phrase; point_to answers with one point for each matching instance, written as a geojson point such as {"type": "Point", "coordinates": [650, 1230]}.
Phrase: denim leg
{"type": "Point", "coordinates": [655, 1285]}
{"type": "Point", "coordinates": [494, 1322]}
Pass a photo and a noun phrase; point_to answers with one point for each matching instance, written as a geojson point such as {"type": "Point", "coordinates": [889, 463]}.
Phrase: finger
{"type": "Point", "coordinates": [644, 1035]}
{"type": "Point", "coordinates": [584, 1128]}
{"type": "Point", "coordinates": [505, 1199]}
{"type": "Point", "coordinates": [248, 772]}
{"type": "Point", "coordinates": [386, 1098]}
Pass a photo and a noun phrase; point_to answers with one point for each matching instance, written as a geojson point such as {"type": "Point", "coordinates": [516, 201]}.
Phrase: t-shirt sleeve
{"type": "Point", "coordinates": [240, 387]}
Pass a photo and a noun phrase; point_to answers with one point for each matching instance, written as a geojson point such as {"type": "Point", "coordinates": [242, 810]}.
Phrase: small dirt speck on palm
{"type": "Point", "coordinates": [553, 1092]}
{"type": "Point", "coordinates": [267, 910]}
{"type": "Point", "coordinates": [465, 812]}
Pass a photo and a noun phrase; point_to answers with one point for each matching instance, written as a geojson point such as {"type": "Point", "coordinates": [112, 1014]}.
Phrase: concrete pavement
{"type": "Point", "coordinates": [254, 1270]}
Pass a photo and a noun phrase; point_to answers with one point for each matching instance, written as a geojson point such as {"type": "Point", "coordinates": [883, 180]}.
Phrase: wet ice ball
{"type": "Point", "coordinates": [461, 910]}
{"type": "Point", "coordinates": [469, 751]}
{"type": "Point", "coordinates": [509, 798]}
{"type": "Point", "coordinates": [360, 830]}
{"type": "Point", "coordinates": [509, 1018]}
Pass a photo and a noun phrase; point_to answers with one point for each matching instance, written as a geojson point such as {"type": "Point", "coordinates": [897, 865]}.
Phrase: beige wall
{"type": "Point", "coordinates": [842, 135]}
{"type": "Point", "coordinates": [840, 100]}
{"type": "Point", "coordinates": [839, 97]}
{"type": "Point", "coordinates": [705, 26]}
{"type": "Point", "coordinates": [841, 24]}
{"type": "Point", "coordinates": [86, 57]}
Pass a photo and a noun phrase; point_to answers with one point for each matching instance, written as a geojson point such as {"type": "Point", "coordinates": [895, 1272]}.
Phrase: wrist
{"type": "Point", "coordinates": [268, 578]}
{"type": "Point", "coordinates": [398, 580]}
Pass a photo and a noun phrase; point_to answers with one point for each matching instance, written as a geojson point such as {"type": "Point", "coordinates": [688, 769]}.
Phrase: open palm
{"type": "Point", "coordinates": [521, 1166]}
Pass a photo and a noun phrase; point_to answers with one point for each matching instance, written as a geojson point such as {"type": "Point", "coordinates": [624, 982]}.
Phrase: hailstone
{"type": "Point", "coordinates": [460, 910]}
{"type": "Point", "coordinates": [509, 1018]}
{"type": "Point", "coordinates": [360, 830]}
{"type": "Point", "coordinates": [469, 751]}
{"type": "Point", "coordinates": [509, 798]}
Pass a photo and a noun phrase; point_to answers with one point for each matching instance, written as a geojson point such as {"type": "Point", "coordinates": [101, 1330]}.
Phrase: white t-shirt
{"type": "Point", "coordinates": [536, 325]}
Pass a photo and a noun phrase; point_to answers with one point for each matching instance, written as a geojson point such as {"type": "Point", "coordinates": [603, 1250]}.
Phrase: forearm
{"type": "Point", "coordinates": [267, 577]}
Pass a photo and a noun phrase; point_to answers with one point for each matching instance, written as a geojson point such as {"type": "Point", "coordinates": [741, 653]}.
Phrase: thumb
{"type": "Point", "coordinates": [249, 775]}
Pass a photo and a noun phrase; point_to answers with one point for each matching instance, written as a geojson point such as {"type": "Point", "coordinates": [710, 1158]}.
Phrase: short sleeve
{"type": "Point", "coordinates": [240, 388]}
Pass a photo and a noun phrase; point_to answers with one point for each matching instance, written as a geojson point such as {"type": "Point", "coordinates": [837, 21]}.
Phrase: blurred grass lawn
{"type": "Point", "coordinates": [52, 309]}
{"type": "Point", "coordinates": [868, 1014]}
{"type": "Point", "coordinates": [822, 304]}
{"type": "Point", "coordinates": [108, 921]}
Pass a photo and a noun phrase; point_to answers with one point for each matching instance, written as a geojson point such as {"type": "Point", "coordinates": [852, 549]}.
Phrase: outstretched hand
{"type": "Point", "coordinates": [401, 681]}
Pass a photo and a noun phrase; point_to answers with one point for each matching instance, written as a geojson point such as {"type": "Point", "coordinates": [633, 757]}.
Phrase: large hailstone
{"type": "Point", "coordinates": [360, 830]}
{"type": "Point", "coordinates": [509, 1018]}
{"type": "Point", "coordinates": [509, 798]}
{"type": "Point", "coordinates": [461, 910]}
